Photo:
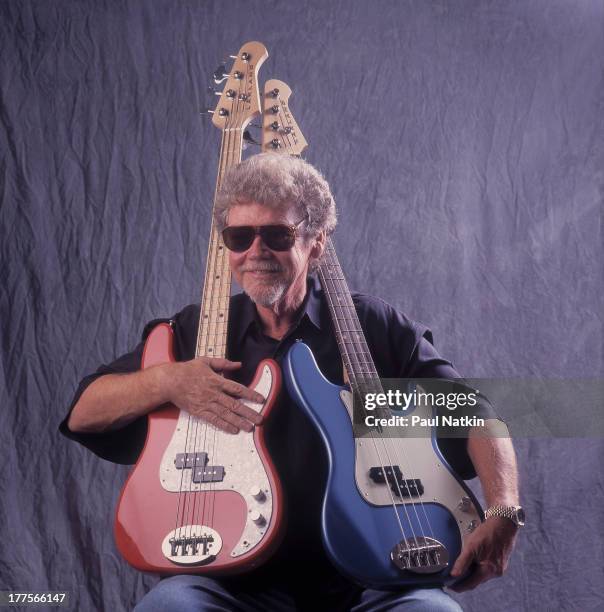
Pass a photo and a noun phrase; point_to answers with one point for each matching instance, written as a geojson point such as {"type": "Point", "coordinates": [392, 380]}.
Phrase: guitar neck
{"type": "Point", "coordinates": [215, 297]}
{"type": "Point", "coordinates": [349, 334]}
{"type": "Point", "coordinates": [239, 103]}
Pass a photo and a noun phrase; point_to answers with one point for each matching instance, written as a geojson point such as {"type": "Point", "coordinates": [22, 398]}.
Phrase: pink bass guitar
{"type": "Point", "coordinates": [200, 500]}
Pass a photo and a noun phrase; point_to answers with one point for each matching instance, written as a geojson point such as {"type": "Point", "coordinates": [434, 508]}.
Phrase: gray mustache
{"type": "Point", "coordinates": [259, 267]}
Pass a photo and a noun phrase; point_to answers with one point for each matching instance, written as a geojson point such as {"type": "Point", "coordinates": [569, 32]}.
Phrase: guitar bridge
{"type": "Point", "coordinates": [420, 555]}
{"type": "Point", "coordinates": [191, 545]}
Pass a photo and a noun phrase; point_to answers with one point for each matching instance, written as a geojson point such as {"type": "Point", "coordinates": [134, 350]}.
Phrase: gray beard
{"type": "Point", "coordinates": [266, 296]}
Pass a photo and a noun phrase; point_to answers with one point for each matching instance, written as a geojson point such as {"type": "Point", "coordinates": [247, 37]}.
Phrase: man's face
{"type": "Point", "coordinates": [265, 275]}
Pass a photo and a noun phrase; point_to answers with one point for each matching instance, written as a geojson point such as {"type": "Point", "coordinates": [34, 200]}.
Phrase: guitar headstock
{"type": "Point", "coordinates": [280, 132]}
{"type": "Point", "coordinates": [239, 102]}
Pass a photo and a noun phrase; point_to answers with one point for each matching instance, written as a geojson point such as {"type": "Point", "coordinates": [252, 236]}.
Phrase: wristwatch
{"type": "Point", "coordinates": [514, 513]}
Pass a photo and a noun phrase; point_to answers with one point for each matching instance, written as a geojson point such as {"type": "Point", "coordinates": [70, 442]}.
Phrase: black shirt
{"type": "Point", "coordinates": [401, 348]}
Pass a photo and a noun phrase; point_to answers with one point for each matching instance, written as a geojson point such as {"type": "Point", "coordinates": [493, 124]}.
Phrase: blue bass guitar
{"type": "Point", "coordinates": [394, 512]}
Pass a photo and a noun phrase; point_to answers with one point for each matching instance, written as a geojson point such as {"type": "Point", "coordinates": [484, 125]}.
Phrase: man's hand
{"type": "Point", "coordinates": [489, 548]}
{"type": "Point", "coordinates": [197, 387]}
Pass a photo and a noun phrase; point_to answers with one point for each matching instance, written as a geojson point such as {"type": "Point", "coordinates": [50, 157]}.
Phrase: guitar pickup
{"type": "Point", "coordinates": [198, 463]}
{"type": "Point", "coordinates": [190, 460]}
{"type": "Point", "coordinates": [210, 473]}
{"type": "Point", "coordinates": [401, 487]}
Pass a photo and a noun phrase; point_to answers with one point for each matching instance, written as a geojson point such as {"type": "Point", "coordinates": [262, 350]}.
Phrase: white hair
{"type": "Point", "coordinates": [281, 182]}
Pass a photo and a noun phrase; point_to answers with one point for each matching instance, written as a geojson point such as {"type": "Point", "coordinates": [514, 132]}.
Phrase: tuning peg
{"type": "Point", "coordinates": [220, 74]}
{"type": "Point", "coordinates": [273, 93]}
{"type": "Point", "coordinates": [211, 90]}
{"type": "Point", "coordinates": [244, 56]}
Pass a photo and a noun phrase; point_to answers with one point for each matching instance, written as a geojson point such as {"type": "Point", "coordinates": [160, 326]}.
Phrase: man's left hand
{"type": "Point", "coordinates": [489, 549]}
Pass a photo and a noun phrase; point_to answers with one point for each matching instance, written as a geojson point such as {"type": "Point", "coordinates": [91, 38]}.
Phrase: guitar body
{"type": "Point", "coordinates": [360, 529]}
{"type": "Point", "coordinates": [200, 500]}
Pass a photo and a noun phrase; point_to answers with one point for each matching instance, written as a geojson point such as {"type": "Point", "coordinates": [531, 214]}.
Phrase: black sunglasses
{"type": "Point", "coordinates": [239, 238]}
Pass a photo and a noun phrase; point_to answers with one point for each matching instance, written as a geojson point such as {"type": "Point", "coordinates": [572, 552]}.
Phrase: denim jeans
{"type": "Point", "coordinates": [199, 593]}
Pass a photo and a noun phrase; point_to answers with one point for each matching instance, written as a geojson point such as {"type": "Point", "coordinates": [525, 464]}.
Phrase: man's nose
{"type": "Point", "coordinates": [258, 248]}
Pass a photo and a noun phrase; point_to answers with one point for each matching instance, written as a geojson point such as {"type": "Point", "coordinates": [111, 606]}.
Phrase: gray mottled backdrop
{"type": "Point", "coordinates": [464, 142]}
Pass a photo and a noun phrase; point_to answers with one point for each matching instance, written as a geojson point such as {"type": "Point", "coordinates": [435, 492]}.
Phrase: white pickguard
{"type": "Point", "coordinates": [417, 459]}
{"type": "Point", "coordinates": [243, 470]}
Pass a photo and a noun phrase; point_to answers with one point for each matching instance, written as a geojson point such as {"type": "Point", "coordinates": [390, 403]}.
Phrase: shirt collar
{"type": "Point", "coordinates": [311, 309]}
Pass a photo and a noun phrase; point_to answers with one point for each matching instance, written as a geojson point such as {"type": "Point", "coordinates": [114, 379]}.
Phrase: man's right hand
{"type": "Point", "coordinates": [198, 387]}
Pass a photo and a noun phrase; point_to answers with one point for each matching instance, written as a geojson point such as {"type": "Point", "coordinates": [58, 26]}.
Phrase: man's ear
{"type": "Point", "coordinates": [318, 245]}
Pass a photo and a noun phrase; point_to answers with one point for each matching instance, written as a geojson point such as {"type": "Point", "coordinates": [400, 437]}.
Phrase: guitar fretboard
{"type": "Point", "coordinates": [214, 317]}
{"type": "Point", "coordinates": [349, 334]}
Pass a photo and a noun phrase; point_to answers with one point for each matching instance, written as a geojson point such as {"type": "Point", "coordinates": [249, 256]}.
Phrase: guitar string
{"type": "Point", "coordinates": [360, 383]}
{"type": "Point", "coordinates": [291, 137]}
{"type": "Point", "coordinates": [350, 320]}
{"type": "Point", "coordinates": [234, 151]}
{"type": "Point", "coordinates": [397, 448]}
{"type": "Point", "coordinates": [217, 282]}
{"type": "Point", "coordinates": [280, 117]}
{"type": "Point", "coordinates": [204, 328]}
{"type": "Point", "coordinates": [352, 375]}
{"type": "Point", "coordinates": [285, 136]}
{"type": "Point", "coordinates": [182, 493]}
{"type": "Point", "coordinates": [192, 508]}
{"type": "Point", "coordinates": [222, 290]}
{"type": "Point", "coordinates": [203, 352]}
{"type": "Point", "coordinates": [177, 526]}
{"type": "Point", "coordinates": [213, 262]}
{"type": "Point", "coordinates": [221, 283]}
{"type": "Point", "coordinates": [214, 454]}
{"type": "Point", "coordinates": [211, 346]}
{"type": "Point", "coordinates": [239, 129]}
{"type": "Point", "coordinates": [201, 491]}
{"type": "Point", "coordinates": [203, 331]}
{"type": "Point", "coordinates": [205, 447]}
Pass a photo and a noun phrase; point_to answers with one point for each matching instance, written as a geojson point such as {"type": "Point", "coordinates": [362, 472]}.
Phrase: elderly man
{"type": "Point", "coordinates": [274, 213]}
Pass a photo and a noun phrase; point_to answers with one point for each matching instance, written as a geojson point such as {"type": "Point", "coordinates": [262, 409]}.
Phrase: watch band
{"type": "Point", "coordinates": [514, 513]}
